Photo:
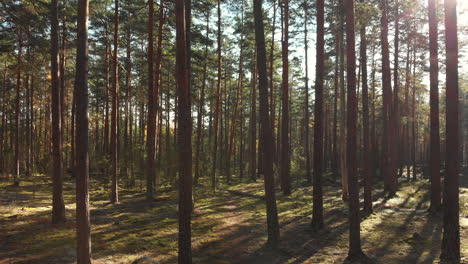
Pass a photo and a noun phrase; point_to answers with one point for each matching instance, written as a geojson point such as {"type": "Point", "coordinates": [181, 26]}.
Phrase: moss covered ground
{"type": "Point", "coordinates": [228, 226]}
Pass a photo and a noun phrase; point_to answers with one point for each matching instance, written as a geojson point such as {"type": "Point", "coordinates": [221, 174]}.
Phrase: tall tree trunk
{"type": "Point", "coordinates": [434, 115]}
{"type": "Point", "coordinates": [63, 92]}
{"type": "Point", "coordinates": [365, 120]}
{"type": "Point", "coordinates": [83, 225]}
{"type": "Point", "coordinates": [395, 114]}
{"type": "Point", "coordinates": [343, 161]}
{"type": "Point", "coordinates": [306, 111]}
{"type": "Point", "coordinates": [151, 127]}
{"type": "Point", "coordinates": [106, 117]}
{"type": "Point", "coordinates": [451, 228]}
{"type": "Point", "coordinates": [272, 213]}
{"type": "Point", "coordinates": [115, 108]}
{"type": "Point", "coordinates": [413, 116]}
{"type": "Point", "coordinates": [184, 137]}
{"type": "Point", "coordinates": [201, 104]}
{"type": "Point", "coordinates": [237, 100]}
{"type": "Point", "coordinates": [285, 147]}
{"type": "Point", "coordinates": [17, 113]}
{"type": "Point", "coordinates": [317, 211]}
{"type": "Point", "coordinates": [387, 98]}
{"type": "Point", "coordinates": [335, 158]}
{"type": "Point", "coordinates": [271, 72]}
{"type": "Point", "coordinates": [253, 125]}
{"type": "Point", "coordinates": [405, 133]}
{"type": "Point", "coordinates": [355, 251]}
{"type": "Point", "coordinates": [58, 205]}
{"type": "Point", "coordinates": [218, 102]}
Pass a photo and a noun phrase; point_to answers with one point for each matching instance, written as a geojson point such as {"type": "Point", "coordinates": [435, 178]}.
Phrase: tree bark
{"type": "Point", "coordinates": [115, 109]}
{"type": "Point", "coordinates": [451, 221]}
{"type": "Point", "coordinates": [434, 111]}
{"type": "Point", "coordinates": [151, 127]}
{"type": "Point", "coordinates": [365, 120]}
{"type": "Point", "coordinates": [306, 110]}
{"type": "Point", "coordinates": [285, 147]}
{"type": "Point", "coordinates": [317, 212]}
{"type": "Point", "coordinates": [58, 205]}
{"type": "Point", "coordinates": [218, 102]}
{"type": "Point", "coordinates": [83, 225]}
{"type": "Point", "coordinates": [272, 213]}
{"type": "Point", "coordinates": [355, 251]}
{"type": "Point", "coordinates": [184, 137]}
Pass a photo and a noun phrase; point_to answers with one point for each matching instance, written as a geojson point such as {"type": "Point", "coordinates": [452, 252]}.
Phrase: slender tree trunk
{"type": "Point", "coordinates": [83, 225]}
{"type": "Point", "coordinates": [335, 161]}
{"type": "Point", "coordinates": [285, 147]}
{"type": "Point", "coordinates": [271, 72]}
{"type": "Point", "coordinates": [413, 117]}
{"type": "Point", "coordinates": [395, 114]}
{"type": "Point", "coordinates": [355, 251]}
{"type": "Point", "coordinates": [387, 98]}
{"type": "Point", "coordinates": [218, 102]}
{"type": "Point", "coordinates": [451, 227]}
{"type": "Point", "coordinates": [151, 127]}
{"type": "Point", "coordinates": [272, 213]}
{"type": "Point", "coordinates": [17, 113]}
{"type": "Point", "coordinates": [306, 111]}
{"type": "Point", "coordinates": [184, 137]}
{"type": "Point", "coordinates": [106, 117]}
{"type": "Point", "coordinates": [58, 205]}
{"type": "Point", "coordinates": [115, 109]}
{"type": "Point", "coordinates": [434, 115]}
{"type": "Point", "coordinates": [253, 125]}
{"type": "Point", "coordinates": [405, 133]}
{"type": "Point", "coordinates": [365, 119]}
{"type": "Point", "coordinates": [317, 211]}
{"type": "Point", "coordinates": [201, 104]}
{"type": "Point", "coordinates": [236, 104]}
{"type": "Point", "coordinates": [343, 161]}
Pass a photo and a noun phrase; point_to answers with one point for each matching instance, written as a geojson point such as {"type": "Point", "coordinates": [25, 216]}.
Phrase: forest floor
{"type": "Point", "coordinates": [228, 227]}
